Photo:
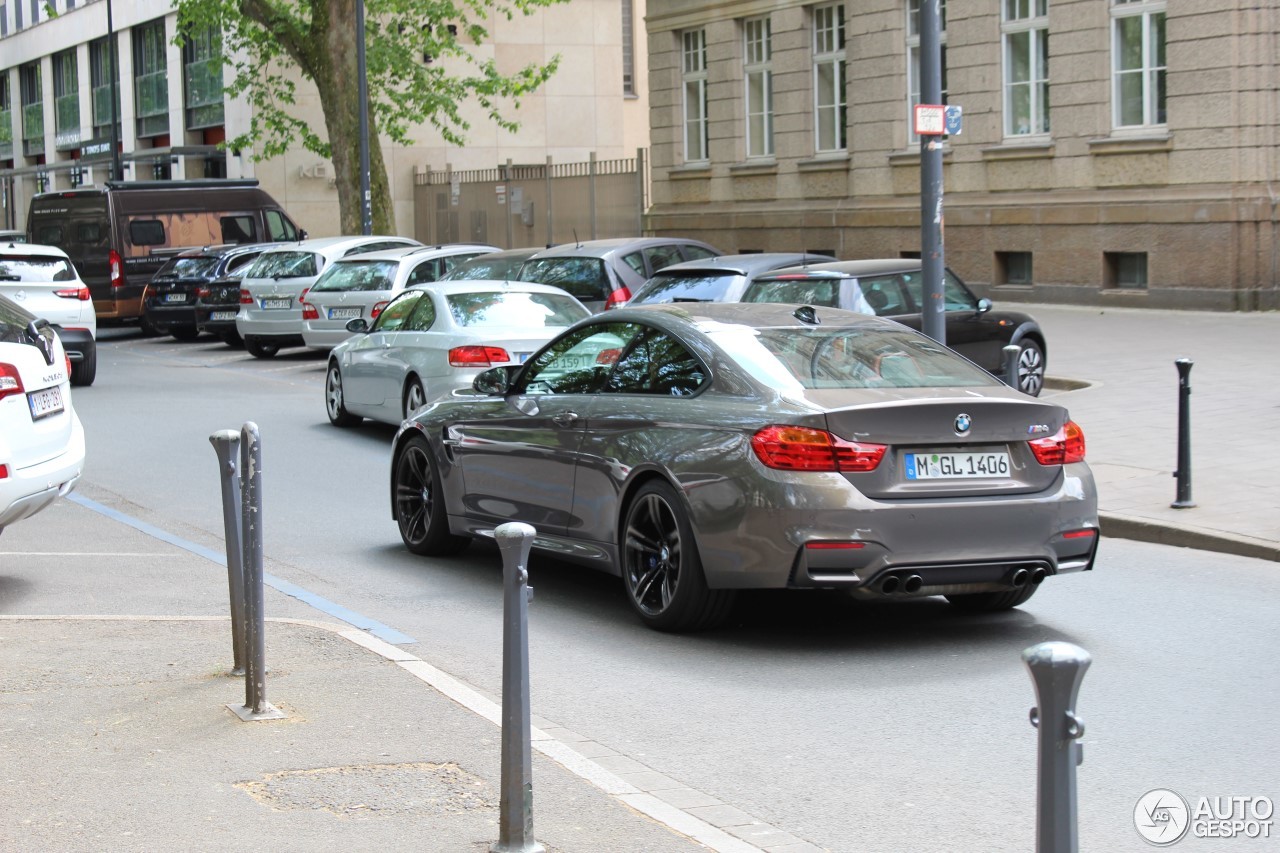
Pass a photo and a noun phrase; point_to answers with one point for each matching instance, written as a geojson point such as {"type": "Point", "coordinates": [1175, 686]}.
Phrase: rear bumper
{"type": "Point", "coordinates": [206, 323]}
{"type": "Point", "coordinates": [27, 491]}
{"type": "Point", "coordinates": [79, 344]}
{"type": "Point", "coordinates": [270, 326]}
{"type": "Point", "coordinates": [325, 339]}
{"type": "Point", "coordinates": [165, 316]}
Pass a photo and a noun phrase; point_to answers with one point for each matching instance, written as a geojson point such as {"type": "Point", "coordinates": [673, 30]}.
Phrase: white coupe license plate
{"type": "Point", "coordinates": [45, 402]}
{"type": "Point", "coordinates": [222, 315]}
{"type": "Point", "coordinates": [956, 466]}
{"type": "Point", "coordinates": [175, 297]}
{"type": "Point", "coordinates": [268, 304]}
{"type": "Point", "coordinates": [343, 313]}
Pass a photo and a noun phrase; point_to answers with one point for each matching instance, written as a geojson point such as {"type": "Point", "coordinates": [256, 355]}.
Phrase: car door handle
{"type": "Point", "coordinates": [565, 419]}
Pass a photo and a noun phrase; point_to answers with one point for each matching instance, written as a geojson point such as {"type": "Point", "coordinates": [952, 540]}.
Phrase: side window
{"type": "Point", "coordinates": [883, 294]}
{"type": "Point", "coordinates": [636, 261]}
{"type": "Point", "coordinates": [956, 296]}
{"type": "Point", "coordinates": [279, 228]}
{"type": "Point", "coordinates": [238, 229]}
{"type": "Point", "coordinates": [424, 272]}
{"type": "Point", "coordinates": [697, 253]}
{"type": "Point", "coordinates": [661, 256]}
{"type": "Point", "coordinates": [424, 316]}
{"type": "Point", "coordinates": [395, 315]}
{"type": "Point", "coordinates": [240, 263]}
{"type": "Point", "coordinates": [48, 235]}
{"type": "Point", "coordinates": [146, 232]}
{"type": "Point", "coordinates": [578, 363]}
{"type": "Point", "coordinates": [657, 364]}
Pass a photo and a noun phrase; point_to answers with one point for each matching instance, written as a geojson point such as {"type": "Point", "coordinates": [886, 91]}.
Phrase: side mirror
{"type": "Point", "coordinates": [359, 324]}
{"type": "Point", "coordinates": [302, 234]}
{"type": "Point", "coordinates": [494, 382]}
{"type": "Point", "coordinates": [984, 305]}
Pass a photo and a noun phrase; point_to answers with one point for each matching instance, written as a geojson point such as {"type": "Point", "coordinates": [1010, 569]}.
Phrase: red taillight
{"type": "Point", "coordinates": [309, 312]}
{"type": "Point", "coordinates": [68, 358]}
{"type": "Point", "coordinates": [1065, 447]}
{"type": "Point", "coordinates": [10, 380]}
{"type": "Point", "coordinates": [477, 356]}
{"type": "Point", "coordinates": [4, 472]}
{"type": "Point", "coordinates": [377, 309]}
{"type": "Point", "coordinates": [618, 298]}
{"type": "Point", "coordinates": [117, 268]}
{"type": "Point", "coordinates": [1079, 534]}
{"type": "Point", "coordinates": [791, 448]}
{"type": "Point", "coordinates": [245, 298]}
{"type": "Point", "coordinates": [202, 293]}
{"type": "Point", "coordinates": [81, 293]}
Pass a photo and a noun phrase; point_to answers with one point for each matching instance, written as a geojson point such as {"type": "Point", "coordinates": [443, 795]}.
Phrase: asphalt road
{"type": "Point", "coordinates": [853, 726]}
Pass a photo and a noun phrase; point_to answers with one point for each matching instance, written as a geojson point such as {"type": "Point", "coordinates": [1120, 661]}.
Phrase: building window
{"type": "Point", "coordinates": [102, 71]}
{"type": "Point", "coordinates": [1013, 268]}
{"type": "Point", "coordinates": [4, 19]}
{"type": "Point", "coordinates": [628, 49]}
{"type": "Point", "coordinates": [1126, 270]}
{"type": "Point", "coordinates": [830, 102]}
{"type": "Point", "coordinates": [1025, 26]}
{"type": "Point", "coordinates": [32, 109]}
{"type": "Point", "coordinates": [758, 68]}
{"type": "Point", "coordinates": [66, 99]}
{"type": "Point", "coordinates": [150, 79]}
{"type": "Point", "coordinates": [694, 75]}
{"type": "Point", "coordinates": [1138, 63]}
{"type": "Point", "coordinates": [6, 117]}
{"type": "Point", "coordinates": [202, 59]}
{"type": "Point", "coordinates": [913, 60]}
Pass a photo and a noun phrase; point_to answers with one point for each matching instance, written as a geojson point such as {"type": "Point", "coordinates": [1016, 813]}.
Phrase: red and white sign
{"type": "Point", "coordinates": [931, 119]}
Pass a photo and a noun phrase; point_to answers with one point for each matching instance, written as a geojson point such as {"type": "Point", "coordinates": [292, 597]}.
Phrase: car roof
{"type": "Point", "coordinates": [757, 315]}
{"type": "Point", "coordinates": [319, 244]}
{"type": "Point", "coordinates": [485, 285]}
{"type": "Point", "coordinates": [610, 246]}
{"type": "Point", "coordinates": [30, 249]}
{"type": "Point", "coordinates": [749, 264]}
{"type": "Point", "coordinates": [855, 269]}
{"type": "Point", "coordinates": [419, 251]}
{"type": "Point", "coordinates": [221, 249]}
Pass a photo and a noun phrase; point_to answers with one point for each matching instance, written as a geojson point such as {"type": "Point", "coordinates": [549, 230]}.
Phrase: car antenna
{"type": "Point", "coordinates": [807, 314]}
{"type": "Point", "coordinates": [577, 244]}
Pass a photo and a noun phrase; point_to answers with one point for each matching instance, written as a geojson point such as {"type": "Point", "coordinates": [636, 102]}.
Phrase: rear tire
{"type": "Point", "coordinates": [661, 567]}
{"type": "Point", "coordinates": [415, 397]}
{"type": "Point", "coordinates": [419, 502]}
{"type": "Point", "coordinates": [186, 334]}
{"type": "Point", "coordinates": [992, 602]}
{"type": "Point", "coordinates": [84, 372]}
{"type": "Point", "coordinates": [257, 348]}
{"type": "Point", "coordinates": [333, 400]}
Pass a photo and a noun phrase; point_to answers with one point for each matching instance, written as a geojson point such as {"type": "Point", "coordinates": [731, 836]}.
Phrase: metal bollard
{"type": "Point", "coordinates": [1183, 498]}
{"type": "Point", "coordinates": [1056, 670]}
{"type": "Point", "coordinates": [515, 821]}
{"type": "Point", "coordinates": [226, 443]}
{"type": "Point", "coordinates": [1011, 354]}
{"type": "Point", "coordinates": [256, 706]}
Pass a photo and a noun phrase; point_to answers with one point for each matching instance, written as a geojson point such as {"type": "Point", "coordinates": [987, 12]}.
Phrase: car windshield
{"type": "Point", "coordinates": [503, 308]}
{"type": "Point", "coordinates": [791, 359]}
{"type": "Point", "coordinates": [583, 278]}
{"type": "Point", "coordinates": [358, 275]}
{"type": "Point", "coordinates": [35, 268]}
{"type": "Point", "coordinates": [694, 287]}
{"type": "Point", "coordinates": [485, 268]}
{"type": "Point", "coordinates": [199, 267]}
{"type": "Point", "coordinates": [284, 265]}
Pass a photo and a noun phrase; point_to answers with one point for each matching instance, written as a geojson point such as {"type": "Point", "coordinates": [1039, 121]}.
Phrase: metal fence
{"type": "Point", "coordinates": [532, 205]}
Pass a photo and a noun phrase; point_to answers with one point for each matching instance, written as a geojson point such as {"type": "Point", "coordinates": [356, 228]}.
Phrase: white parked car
{"type": "Point", "coordinates": [43, 280]}
{"type": "Point", "coordinates": [433, 339]}
{"type": "Point", "coordinates": [362, 285]}
{"type": "Point", "coordinates": [271, 291]}
{"type": "Point", "coordinates": [41, 439]}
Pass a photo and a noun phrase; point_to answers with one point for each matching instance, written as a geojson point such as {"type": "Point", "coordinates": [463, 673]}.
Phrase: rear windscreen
{"type": "Point", "coordinates": [584, 278]}
{"type": "Point", "coordinates": [500, 308]}
{"type": "Point", "coordinates": [284, 265]}
{"type": "Point", "coordinates": [803, 291]}
{"type": "Point", "coordinates": [358, 276]}
{"type": "Point", "coordinates": [35, 268]}
{"type": "Point", "coordinates": [201, 267]}
{"type": "Point", "coordinates": [694, 287]}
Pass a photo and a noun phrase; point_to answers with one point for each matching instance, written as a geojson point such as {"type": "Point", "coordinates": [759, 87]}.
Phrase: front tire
{"type": "Point", "coordinates": [334, 404]}
{"type": "Point", "coordinates": [661, 568]}
{"type": "Point", "coordinates": [1030, 367]}
{"type": "Point", "coordinates": [258, 348]}
{"type": "Point", "coordinates": [415, 397]}
{"type": "Point", "coordinates": [992, 602]}
{"type": "Point", "coordinates": [419, 503]}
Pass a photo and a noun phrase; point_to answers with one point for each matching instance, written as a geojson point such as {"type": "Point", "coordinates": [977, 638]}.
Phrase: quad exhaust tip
{"type": "Point", "coordinates": [889, 585]}
{"type": "Point", "coordinates": [912, 584]}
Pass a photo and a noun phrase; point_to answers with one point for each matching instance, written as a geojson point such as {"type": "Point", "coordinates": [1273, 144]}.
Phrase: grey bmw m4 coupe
{"type": "Point", "coordinates": [695, 449]}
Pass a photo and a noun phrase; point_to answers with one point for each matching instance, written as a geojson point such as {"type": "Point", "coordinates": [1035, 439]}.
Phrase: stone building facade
{"type": "Point", "coordinates": [1112, 152]}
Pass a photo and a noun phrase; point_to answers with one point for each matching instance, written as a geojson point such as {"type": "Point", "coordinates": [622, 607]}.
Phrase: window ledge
{"type": "Point", "coordinates": [838, 162]}
{"type": "Point", "coordinates": [689, 173]}
{"type": "Point", "coordinates": [1018, 151]}
{"type": "Point", "coordinates": [754, 167]}
{"type": "Point", "coordinates": [912, 156]}
{"type": "Point", "coordinates": [1149, 143]}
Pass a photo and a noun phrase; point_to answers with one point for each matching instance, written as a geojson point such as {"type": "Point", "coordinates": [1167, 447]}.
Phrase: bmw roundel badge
{"type": "Point", "coordinates": [963, 422]}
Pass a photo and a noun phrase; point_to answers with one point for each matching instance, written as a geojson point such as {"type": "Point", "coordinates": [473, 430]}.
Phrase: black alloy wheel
{"type": "Point", "coordinates": [661, 567]}
{"type": "Point", "coordinates": [333, 402]}
{"type": "Point", "coordinates": [419, 503]}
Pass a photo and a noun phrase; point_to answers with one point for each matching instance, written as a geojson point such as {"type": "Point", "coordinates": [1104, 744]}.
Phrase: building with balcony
{"type": "Point", "coordinates": [172, 116]}
{"type": "Point", "coordinates": [1110, 152]}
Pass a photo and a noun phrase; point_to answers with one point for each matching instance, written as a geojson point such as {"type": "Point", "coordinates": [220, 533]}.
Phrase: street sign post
{"type": "Point", "coordinates": [931, 119]}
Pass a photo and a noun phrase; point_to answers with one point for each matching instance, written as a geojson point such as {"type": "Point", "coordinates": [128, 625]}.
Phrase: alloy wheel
{"type": "Point", "coordinates": [653, 554]}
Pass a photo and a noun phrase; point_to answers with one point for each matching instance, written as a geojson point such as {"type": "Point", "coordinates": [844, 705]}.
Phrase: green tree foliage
{"type": "Point", "coordinates": [421, 68]}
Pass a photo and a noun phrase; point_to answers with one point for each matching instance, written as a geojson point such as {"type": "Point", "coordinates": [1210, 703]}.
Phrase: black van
{"type": "Point", "coordinates": [119, 235]}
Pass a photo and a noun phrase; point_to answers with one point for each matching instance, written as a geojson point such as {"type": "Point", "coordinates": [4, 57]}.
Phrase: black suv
{"type": "Point", "coordinates": [173, 302]}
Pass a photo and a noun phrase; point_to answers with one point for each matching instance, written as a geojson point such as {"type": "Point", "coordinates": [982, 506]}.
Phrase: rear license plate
{"type": "Point", "coordinates": [222, 315]}
{"type": "Point", "coordinates": [343, 313]}
{"type": "Point", "coordinates": [269, 304]}
{"type": "Point", "coordinates": [956, 466]}
{"type": "Point", "coordinates": [175, 297]}
{"type": "Point", "coordinates": [45, 402]}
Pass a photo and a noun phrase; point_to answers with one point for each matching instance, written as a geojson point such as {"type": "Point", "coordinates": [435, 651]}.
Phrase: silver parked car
{"type": "Point", "coordinates": [721, 279]}
{"type": "Point", "coordinates": [696, 449]}
{"type": "Point", "coordinates": [494, 266]}
{"type": "Point", "coordinates": [271, 291]}
{"type": "Point", "coordinates": [433, 339]}
{"type": "Point", "coordinates": [362, 285]}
